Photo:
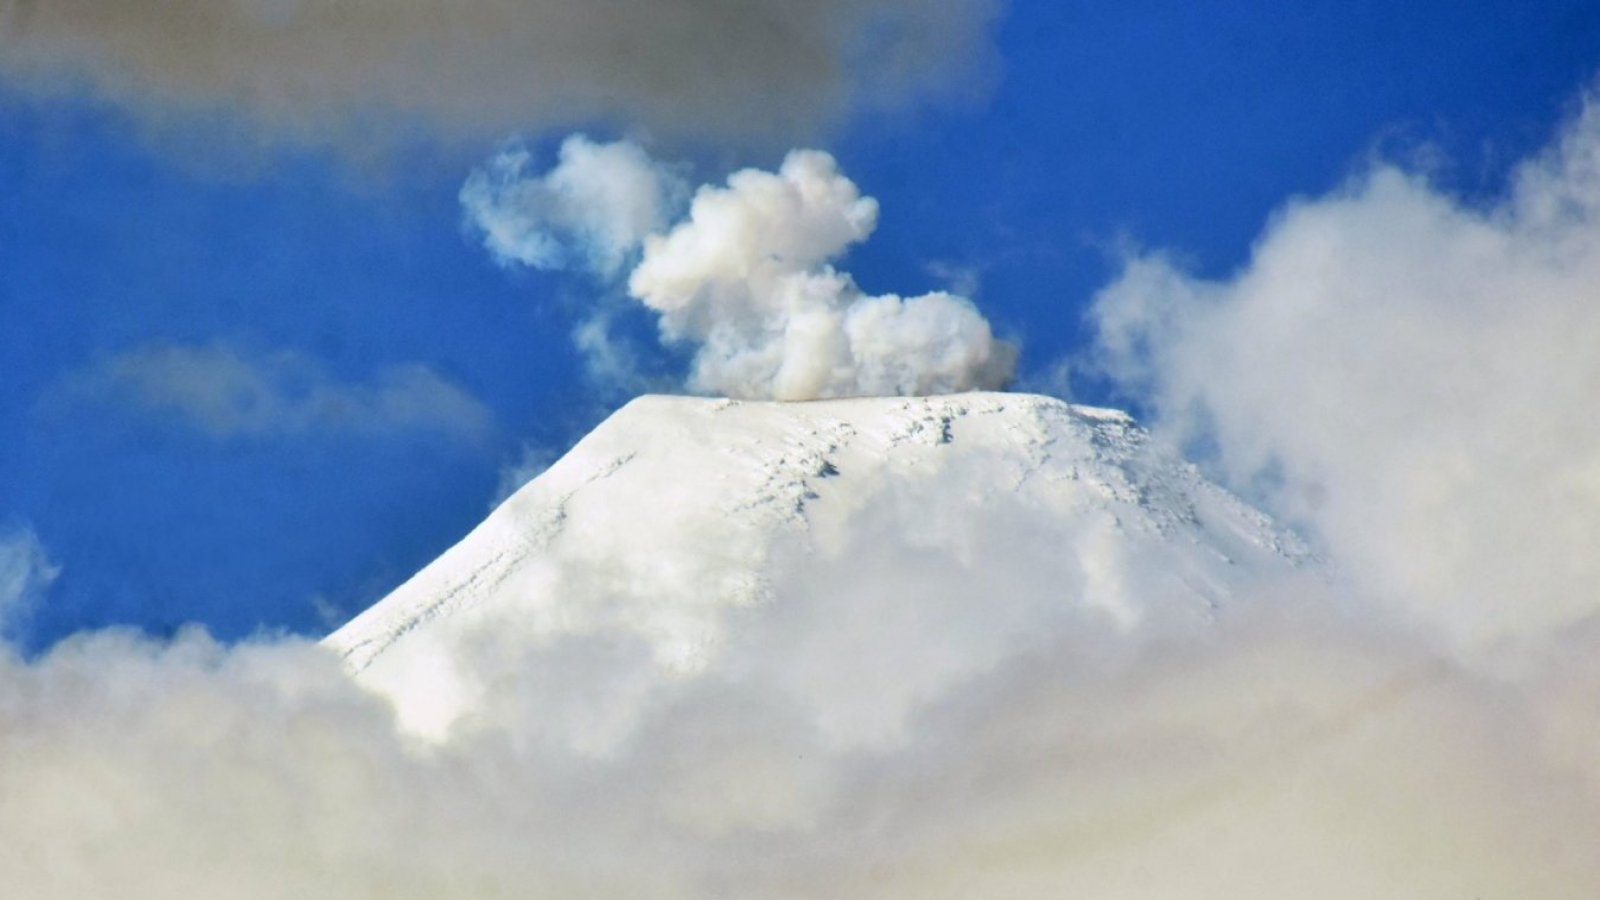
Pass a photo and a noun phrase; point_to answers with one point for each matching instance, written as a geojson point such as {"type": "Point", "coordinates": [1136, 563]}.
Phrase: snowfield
{"type": "Point", "coordinates": [678, 515]}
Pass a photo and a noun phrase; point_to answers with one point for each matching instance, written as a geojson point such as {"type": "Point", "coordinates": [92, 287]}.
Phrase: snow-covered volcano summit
{"type": "Point", "coordinates": [687, 536]}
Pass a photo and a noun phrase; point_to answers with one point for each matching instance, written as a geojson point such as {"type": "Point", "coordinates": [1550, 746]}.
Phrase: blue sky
{"type": "Point", "coordinates": [253, 383]}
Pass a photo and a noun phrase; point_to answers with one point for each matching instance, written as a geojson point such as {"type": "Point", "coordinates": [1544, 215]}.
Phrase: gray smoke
{"type": "Point", "coordinates": [350, 69]}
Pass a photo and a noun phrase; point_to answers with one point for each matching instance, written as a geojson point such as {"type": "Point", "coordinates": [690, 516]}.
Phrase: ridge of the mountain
{"type": "Point", "coordinates": [674, 513]}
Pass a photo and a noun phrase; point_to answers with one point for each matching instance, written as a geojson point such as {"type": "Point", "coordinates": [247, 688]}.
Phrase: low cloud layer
{"type": "Point", "coordinates": [746, 277]}
{"type": "Point", "coordinates": [1396, 368]}
{"type": "Point", "coordinates": [1291, 746]}
{"type": "Point", "coordinates": [231, 395]}
{"type": "Point", "coordinates": [320, 70]}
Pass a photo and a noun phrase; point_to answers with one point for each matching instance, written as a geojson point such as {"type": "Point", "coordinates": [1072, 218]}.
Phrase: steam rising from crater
{"type": "Point", "coordinates": [747, 276]}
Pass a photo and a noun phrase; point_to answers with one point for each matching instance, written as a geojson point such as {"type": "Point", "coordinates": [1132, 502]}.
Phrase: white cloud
{"type": "Point", "coordinates": [747, 278]}
{"type": "Point", "coordinates": [909, 717]}
{"type": "Point", "coordinates": [594, 208]}
{"type": "Point", "coordinates": [353, 71]}
{"type": "Point", "coordinates": [26, 572]}
{"type": "Point", "coordinates": [916, 709]}
{"type": "Point", "coordinates": [232, 395]}
{"type": "Point", "coordinates": [1408, 376]}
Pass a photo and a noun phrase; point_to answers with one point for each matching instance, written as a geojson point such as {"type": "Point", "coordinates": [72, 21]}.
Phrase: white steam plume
{"type": "Point", "coordinates": [747, 277]}
{"type": "Point", "coordinates": [1398, 369]}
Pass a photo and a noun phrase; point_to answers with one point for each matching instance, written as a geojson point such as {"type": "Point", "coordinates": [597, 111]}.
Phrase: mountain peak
{"type": "Point", "coordinates": [668, 521]}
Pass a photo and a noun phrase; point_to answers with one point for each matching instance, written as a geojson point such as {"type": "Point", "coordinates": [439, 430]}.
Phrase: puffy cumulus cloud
{"type": "Point", "coordinates": [746, 278]}
{"type": "Point", "coordinates": [232, 395]}
{"type": "Point", "coordinates": [320, 69]}
{"type": "Point", "coordinates": [915, 716]}
{"type": "Point", "coordinates": [1405, 374]}
{"type": "Point", "coordinates": [26, 572]}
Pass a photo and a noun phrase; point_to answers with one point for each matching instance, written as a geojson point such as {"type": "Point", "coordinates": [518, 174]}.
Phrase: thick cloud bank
{"type": "Point", "coordinates": [746, 277]}
{"type": "Point", "coordinates": [1037, 749]}
{"type": "Point", "coordinates": [336, 68]}
{"type": "Point", "coordinates": [1397, 369]}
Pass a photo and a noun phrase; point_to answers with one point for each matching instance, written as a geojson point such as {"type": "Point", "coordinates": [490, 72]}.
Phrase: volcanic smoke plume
{"type": "Point", "coordinates": [746, 277]}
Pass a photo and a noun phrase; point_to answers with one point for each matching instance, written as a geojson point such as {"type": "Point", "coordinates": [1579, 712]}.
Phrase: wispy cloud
{"type": "Point", "coordinates": [530, 462]}
{"type": "Point", "coordinates": [229, 394]}
{"type": "Point", "coordinates": [593, 209]}
{"type": "Point", "coordinates": [26, 572]}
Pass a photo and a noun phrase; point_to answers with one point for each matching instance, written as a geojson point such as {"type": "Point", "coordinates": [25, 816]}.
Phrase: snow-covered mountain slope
{"type": "Point", "coordinates": [691, 537]}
